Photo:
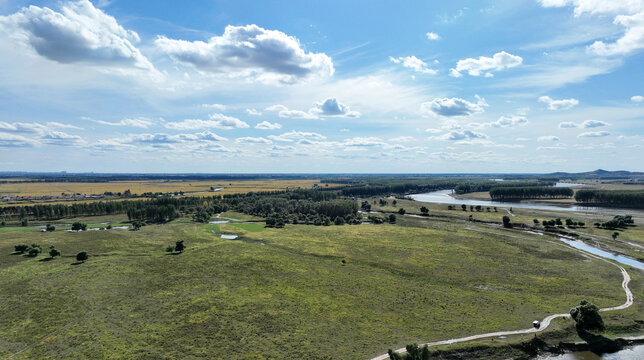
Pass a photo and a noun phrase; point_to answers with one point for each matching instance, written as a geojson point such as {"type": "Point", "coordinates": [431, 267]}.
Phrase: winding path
{"type": "Point", "coordinates": [544, 323]}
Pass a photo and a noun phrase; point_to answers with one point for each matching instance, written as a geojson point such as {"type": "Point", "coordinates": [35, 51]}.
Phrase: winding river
{"type": "Point", "coordinates": [445, 197]}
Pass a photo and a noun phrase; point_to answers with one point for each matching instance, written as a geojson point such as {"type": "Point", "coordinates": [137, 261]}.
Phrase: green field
{"type": "Point", "coordinates": [284, 293]}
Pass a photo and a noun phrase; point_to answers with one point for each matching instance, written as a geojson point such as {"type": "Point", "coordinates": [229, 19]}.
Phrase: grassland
{"type": "Point", "coordinates": [285, 293]}
{"type": "Point", "coordinates": [140, 187]}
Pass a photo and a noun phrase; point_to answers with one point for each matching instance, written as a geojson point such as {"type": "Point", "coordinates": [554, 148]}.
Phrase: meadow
{"type": "Point", "coordinates": [151, 186]}
{"type": "Point", "coordinates": [285, 293]}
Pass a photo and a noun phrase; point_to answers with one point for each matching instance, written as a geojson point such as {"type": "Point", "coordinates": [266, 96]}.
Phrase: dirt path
{"type": "Point", "coordinates": [544, 323]}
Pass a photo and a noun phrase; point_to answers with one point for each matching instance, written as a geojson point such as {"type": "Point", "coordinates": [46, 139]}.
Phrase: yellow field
{"type": "Point", "coordinates": [140, 187]}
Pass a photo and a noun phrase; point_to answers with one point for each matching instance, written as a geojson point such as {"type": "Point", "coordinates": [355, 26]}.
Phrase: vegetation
{"type": "Point", "coordinates": [587, 317]}
{"type": "Point", "coordinates": [469, 187]}
{"type": "Point", "coordinates": [78, 226]}
{"type": "Point", "coordinates": [414, 352]}
{"type": "Point", "coordinates": [506, 222]}
{"type": "Point", "coordinates": [82, 256]}
{"type": "Point", "coordinates": [631, 198]}
{"type": "Point", "coordinates": [531, 192]}
{"type": "Point", "coordinates": [53, 252]}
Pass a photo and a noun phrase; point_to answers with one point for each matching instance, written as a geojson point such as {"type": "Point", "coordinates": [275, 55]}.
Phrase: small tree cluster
{"type": "Point", "coordinates": [586, 316]}
{"type": "Point", "coordinates": [618, 222]}
{"type": "Point", "coordinates": [506, 222]}
{"type": "Point", "coordinates": [414, 352]}
{"type": "Point", "coordinates": [78, 226]}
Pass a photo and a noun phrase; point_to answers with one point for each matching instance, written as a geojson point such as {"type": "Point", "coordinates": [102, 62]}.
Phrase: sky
{"type": "Point", "coordinates": [484, 86]}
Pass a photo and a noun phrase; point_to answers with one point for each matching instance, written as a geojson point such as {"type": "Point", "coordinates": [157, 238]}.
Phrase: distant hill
{"type": "Point", "coordinates": [598, 174]}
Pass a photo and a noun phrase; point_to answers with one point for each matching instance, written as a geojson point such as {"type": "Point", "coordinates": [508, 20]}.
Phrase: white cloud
{"type": "Point", "coordinates": [327, 108]}
{"type": "Point", "coordinates": [250, 51]}
{"type": "Point", "coordinates": [363, 142]}
{"type": "Point", "coordinates": [637, 98]}
{"type": "Point", "coordinates": [265, 125]}
{"type": "Point", "coordinates": [413, 63]}
{"type": "Point", "coordinates": [402, 139]}
{"type": "Point", "coordinates": [548, 138]}
{"type": "Point", "coordinates": [432, 36]}
{"type": "Point", "coordinates": [484, 65]}
{"type": "Point", "coordinates": [510, 121]}
{"type": "Point", "coordinates": [563, 104]}
{"type": "Point", "coordinates": [297, 135]}
{"type": "Point", "coordinates": [12, 140]}
{"type": "Point", "coordinates": [334, 108]}
{"type": "Point", "coordinates": [61, 139]}
{"type": "Point", "coordinates": [252, 140]}
{"type": "Point", "coordinates": [628, 13]}
{"type": "Point", "coordinates": [588, 124]}
{"type": "Point", "coordinates": [54, 124]}
{"type": "Point", "coordinates": [592, 124]}
{"type": "Point", "coordinates": [459, 135]}
{"type": "Point", "coordinates": [253, 112]}
{"type": "Point", "coordinates": [135, 122]}
{"type": "Point", "coordinates": [79, 33]}
{"type": "Point", "coordinates": [218, 121]}
{"type": "Point", "coordinates": [454, 107]}
{"type": "Point", "coordinates": [594, 134]}
{"type": "Point", "coordinates": [219, 107]}
{"type": "Point", "coordinates": [434, 131]}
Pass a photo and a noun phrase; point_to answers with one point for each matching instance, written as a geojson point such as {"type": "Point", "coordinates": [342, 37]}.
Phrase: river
{"type": "Point", "coordinates": [633, 353]}
{"type": "Point", "coordinates": [444, 197]}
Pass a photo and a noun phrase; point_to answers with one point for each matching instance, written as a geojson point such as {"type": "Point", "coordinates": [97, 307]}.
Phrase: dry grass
{"type": "Point", "coordinates": [140, 187]}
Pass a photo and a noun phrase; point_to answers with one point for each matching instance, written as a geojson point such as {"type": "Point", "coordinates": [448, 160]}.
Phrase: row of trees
{"type": "Point", "coordinates": [631, 198]}
{"type": "Point", "coordinates": [468, 187]}
{"type": "Point", "coordinates": [530, 192]}
{"type": "Point", "coordinates": [617, 222]}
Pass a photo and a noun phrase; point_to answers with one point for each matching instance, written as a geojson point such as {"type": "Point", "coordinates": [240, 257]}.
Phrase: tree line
{"type": "Point", "coordinates": [469, 187]}
{"type": "Point", "coordinates": [530, 192]}
{"type": "Point", "coordinates": [630, 198]}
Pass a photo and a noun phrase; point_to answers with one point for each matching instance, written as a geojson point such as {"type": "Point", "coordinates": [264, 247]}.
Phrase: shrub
{"type": "Point", "coordinates": [339, 220]}
{"type": "Point", "coordinates": [587, 316]}
{"type": "Point", "coordinates": [169, 249]}
{"type": "Point", "coordinates": [50, 227]}
{"type": "Point", "coordinates": [179, 246]}
{"type": "Point", "coordinates": [53, 252]}
{"type": "Point", "coordinates": [401, 211]}
{"type": "Point", "coordinates": [392, 219]}
{"type": "Point", "coordinates": [82, 256]}
{"type": "Point", "coordinates": [21, 248]}
{"type": "Point", "coordinates": [506, 222]}
{"type": "Point", "coordinates": [78, 226]}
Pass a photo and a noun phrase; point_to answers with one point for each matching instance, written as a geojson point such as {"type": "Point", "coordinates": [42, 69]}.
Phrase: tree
{"type": "Point", "coordinates": [394, 202]}
{"type": "Point", "coordinates": [179, 246]}
{"type": "Point", "coordinates": [424, 211]}
{"type": "Point", "coordinates": [339, 220]}
{"type": "Point", "coordinates": [506, 222]}
{"type": "Point", "coordinates": [169, 249]}
{"type": "Point", "coordinates": [535, 221]}
{"type": "Point", "coordinates": [414, 352]}
{"type": "Point", "coordinates": [136, 225]}
{"type": "Point", "coordinates": [78, 226]}
{"type": "Point", "coordinates": [392, 219]}
{"type": "Point", "coordinates": [615, 235]}
{"type": "Point", "coordinates": [53, 252]}
{"type": "Point", "coordinates": [464, 207]}
{"type": "Point", "coordinates": [21, 248]}
{"type": "Point", "coordinates": [34, 251]}
{"type": "Point", "coordinates": [24, 222]}
{"type": "Point", "coordinates": [50, 227]}
{"type": "Point", "coordinates": [401, 211]}
{"type": "Point", "coordinates": [587, 317]}
{"type": "Point", "coordinates": [82, 256]}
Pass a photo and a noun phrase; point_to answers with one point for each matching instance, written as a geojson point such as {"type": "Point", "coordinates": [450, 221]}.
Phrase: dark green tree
{"type": "Point", "coordinates": [78, 226]}
{"type": "Point", "coordinates": [53, 252]}
{"type": "Point", "coordinates": [401, 211]}
{"type": "Point", "coordinates": [587, 317]}
{"type": "Point", "coordinates": [82, 256]}
{"type": "Point", "coordinates": [392, 218]}
{"type": "Point", "coordinates": [179, 246]}
{"type": "Point", "coordinates": [506, 222]}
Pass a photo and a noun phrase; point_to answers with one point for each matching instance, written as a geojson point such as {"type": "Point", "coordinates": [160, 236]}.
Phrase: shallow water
{"type": "Point", "coordinates": [444, 197]}
{"type": "Point", "coordinates": [605, 254]}
{"type": "Point", "coordinates": [633, 353]}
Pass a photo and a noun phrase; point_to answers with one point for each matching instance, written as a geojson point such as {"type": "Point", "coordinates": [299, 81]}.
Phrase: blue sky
{"type": "Point", "coordinates": [321, 86]}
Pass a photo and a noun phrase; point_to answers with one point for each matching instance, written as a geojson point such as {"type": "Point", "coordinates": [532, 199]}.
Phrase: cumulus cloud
{"type": "Point", "coordinates": [333, 108]}
{"type": "Point", "coordinates": [253, 112]}
{"type": "Point", "coordinates": [265, 125]}
{"type": "Point", "coordinates": [454, 107]}
{"type": "Point", "coordinates": [219, 121]}
{"type": "Point", "coordinates": [205, 141]}
{"type": "Point", "coordinates": [432, 36]}
{"type": "Point", "coordinates": [252, 140]}
{"type": "Point", "coordinates": [135, 122]}
{"type": "Point", "coordinates": [459, 135]}
{"type": "Point", "coordinates": [250, 51]}
{"type": "Point", "coordinates": [588, 124]}
{"type": "Point", "coordinates": [413, 63]}
{"type": "Point", "coordinates": [32, 134]}
{"type": "Point", "coordinates": [330, 107]}
{"type": "Point", "coordinates": [297, 135]}
{"type": "Point", "coordinates": [219, 107]}
{"type": "Point", "coordinates": [629, 14]}
{"type": "Point", "coordinates": [402, 139]}
{"type": "Point", "coordinates": [510, 121]}
{"type": "Point", "coordinates": [484, 65]}
{"type": "Point", "coordinates": [363, 142]}
{"type": "Point", "coordinates": [637, 98]}
{"type": "Point", "coordinates": [548, 138]}
{"type": "Point", "coordinates": [79, 33]}
{"type": "Point", "coordinates": [563, 104]}
{"type": "Point", "coordinates": [594, 134]}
